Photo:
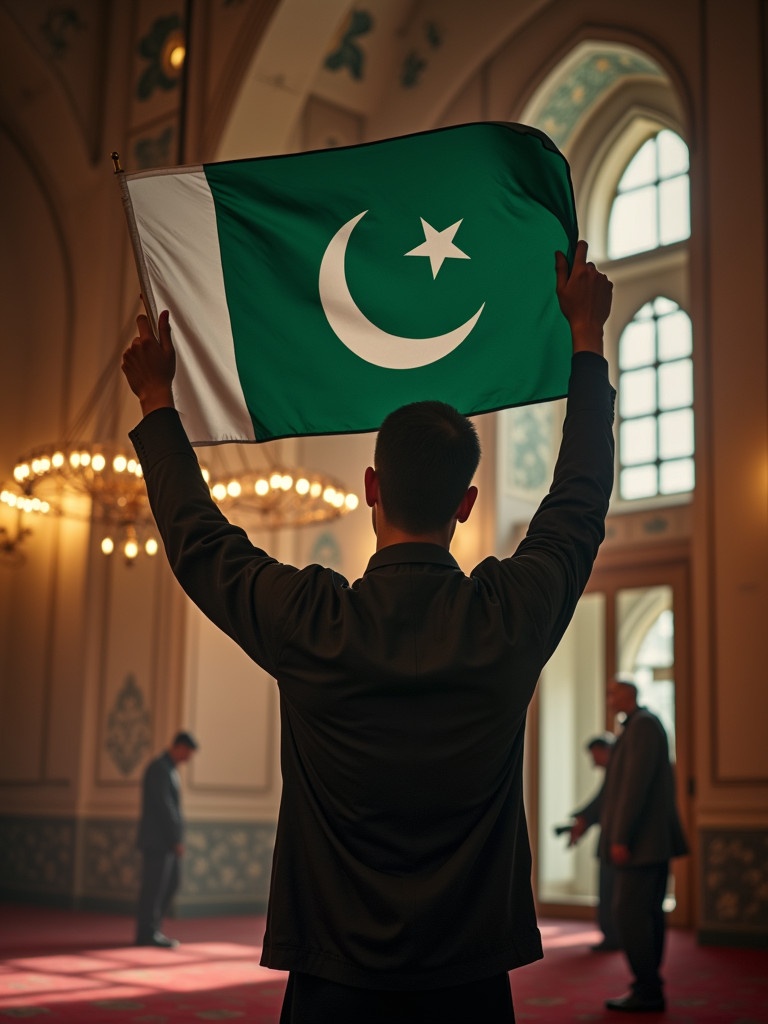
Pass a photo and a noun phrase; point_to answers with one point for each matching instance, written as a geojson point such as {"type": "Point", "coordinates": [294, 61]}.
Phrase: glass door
{"type": "Point", "coordinates": [631, 620]}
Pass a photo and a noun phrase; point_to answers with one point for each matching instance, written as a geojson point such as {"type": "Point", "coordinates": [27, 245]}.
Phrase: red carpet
{"type": "Point", "coordinates": [62, 967]}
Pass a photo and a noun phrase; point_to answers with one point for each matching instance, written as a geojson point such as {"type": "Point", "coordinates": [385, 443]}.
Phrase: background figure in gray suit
{"type": "Point", "coordinates": [160, 840]}
{"type": "Point", "coordinates": [599, 748]}
{"type": "Point", "coordinates": [639, 832]}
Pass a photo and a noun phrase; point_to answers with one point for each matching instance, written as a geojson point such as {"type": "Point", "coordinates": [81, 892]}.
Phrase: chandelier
{"type": "Point", "coordinates": [272, 497]}
{"type": "Point", "coordinates": [14, 498]}
{"type": "Point", "coordinates": [104, 473]}
{"type": "Point", "coordinates": [283, 496]}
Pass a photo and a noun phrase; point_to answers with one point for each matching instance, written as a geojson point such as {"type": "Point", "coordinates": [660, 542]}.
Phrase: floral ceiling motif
{"type": "Point", "coordinates": [348, 53]}
{"type": "Point", "coordinates": [574, 93]}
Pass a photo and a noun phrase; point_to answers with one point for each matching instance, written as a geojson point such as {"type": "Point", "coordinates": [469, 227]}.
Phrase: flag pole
{"type": "Point", "coordinates": [147, 296]}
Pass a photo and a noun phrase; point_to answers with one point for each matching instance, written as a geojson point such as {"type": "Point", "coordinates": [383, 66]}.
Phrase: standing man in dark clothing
{"type": "Point", "coordinates": [160, 840]}
{"type": "Point", "coordinates": [599, 748]}
{"type": "Point", "coordinates": [640, 831]}
{"type": "Point", "coordinates": [400, 884]}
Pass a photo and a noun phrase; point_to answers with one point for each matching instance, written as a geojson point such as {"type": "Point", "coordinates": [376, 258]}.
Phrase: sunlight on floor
{"type": "Point", "coordinates": [554, 936]}
{"type": "Point", "coordinates": [130, 973]}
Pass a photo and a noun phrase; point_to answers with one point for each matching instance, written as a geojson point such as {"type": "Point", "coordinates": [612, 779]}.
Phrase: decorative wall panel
{"type": "Point", "coordinates": [37, 856]}
{"type": "Point", "coordinates": [734, 882]}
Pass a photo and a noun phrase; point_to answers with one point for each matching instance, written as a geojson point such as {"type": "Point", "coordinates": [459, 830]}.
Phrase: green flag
{"type": "Point", "coordinates": [314, 293]}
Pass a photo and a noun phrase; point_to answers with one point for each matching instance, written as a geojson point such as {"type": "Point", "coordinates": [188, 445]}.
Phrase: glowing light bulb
{"type": "Point", "coordinates": [119, 463]}
{"type": "Point", "coordinates": [219, 491]}
{"type": "Point", "coordinates": [302, 486]}
{"type": "Point", "coordinates": [261, 487]}
{"type": "Point", "coordinates": [176, 56]}
{"type": "Point", "coordinates": [351, 501]}
{"type": "Point", "coordinates": [130, 549]}
{"type": "Point", "coordinates": [275, 481]}
{"type": "Point", "coordinates": [234, 489]}
{"type": "Point", "coordinates": [98, 462]}
{"type": "Point", "coordinates": [315, 489]}
{"type": "Point", "coordinates": [107, 545]}
{"type": "Point", "coordinates": [150, 546]}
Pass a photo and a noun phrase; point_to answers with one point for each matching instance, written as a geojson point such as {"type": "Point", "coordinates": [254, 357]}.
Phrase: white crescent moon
{"type": "Point", "coordinates": [357, 332]}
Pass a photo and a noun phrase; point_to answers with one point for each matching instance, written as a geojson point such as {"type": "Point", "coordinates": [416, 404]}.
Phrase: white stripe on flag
{"type": "Point", "coordinates": [176, 219]}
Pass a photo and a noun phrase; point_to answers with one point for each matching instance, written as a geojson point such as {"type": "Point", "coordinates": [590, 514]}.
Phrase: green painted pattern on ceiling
{"type": "Point", "coordinates": [571, 97]}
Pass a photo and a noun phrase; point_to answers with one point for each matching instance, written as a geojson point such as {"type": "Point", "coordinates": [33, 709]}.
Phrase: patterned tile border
{"type": "Point", "coordinates": [734, 881]}
{"type": "Point", "coordinates": [226, 865]}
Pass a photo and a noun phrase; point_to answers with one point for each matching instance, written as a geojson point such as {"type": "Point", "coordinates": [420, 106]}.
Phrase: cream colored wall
{"type": "Point", "coordinates": [55, 211]}
{"type": "Point", "coordinates": [731, 537]}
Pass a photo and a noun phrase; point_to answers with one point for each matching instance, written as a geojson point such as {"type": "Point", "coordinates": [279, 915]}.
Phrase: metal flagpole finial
{"type": "Point", "coordinates": [116, 161]}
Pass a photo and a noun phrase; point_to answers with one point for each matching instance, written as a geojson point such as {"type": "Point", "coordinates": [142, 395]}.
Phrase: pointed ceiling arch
{"type": "Point", "coordinates": [584, 80]}
{"type": "Point", "coordinates": [599, 103]}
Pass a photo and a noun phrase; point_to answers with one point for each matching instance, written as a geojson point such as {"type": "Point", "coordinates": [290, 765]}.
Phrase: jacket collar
{"type": "Point", "coordinates": [403, 554]}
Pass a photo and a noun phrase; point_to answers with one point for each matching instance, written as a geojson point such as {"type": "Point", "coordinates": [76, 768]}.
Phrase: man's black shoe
{"type": "Point", "coordinates": [633, 1003]}
{"type": "Point", "coordinates": [158, 939]}
{"type": "Point", "coordinates": [605, 947]}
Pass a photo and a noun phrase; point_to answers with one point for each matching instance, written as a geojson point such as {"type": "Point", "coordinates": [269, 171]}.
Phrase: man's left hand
{"type": "Point", "coordinates": [149, 364]}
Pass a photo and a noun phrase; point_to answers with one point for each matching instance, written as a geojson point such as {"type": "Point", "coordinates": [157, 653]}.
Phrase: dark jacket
{"type": "Point", "coordinates": [402, 857]}
{"type": "Point", "coordinates": [161, 825]}
{"type": "Point", "coordinates": [638, 807]}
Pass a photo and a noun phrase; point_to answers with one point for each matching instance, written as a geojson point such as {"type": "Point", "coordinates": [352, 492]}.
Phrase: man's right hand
{"type": "Point", "coordinates": [578, 828]}
{"type": "Point", "coordinates": [149, 365]}
{"type": "Point", "coordinates": [585, 298]}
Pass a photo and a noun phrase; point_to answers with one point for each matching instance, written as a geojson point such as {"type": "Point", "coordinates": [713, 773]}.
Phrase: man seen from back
{"type": "Point", "coordinates": [400, 885]}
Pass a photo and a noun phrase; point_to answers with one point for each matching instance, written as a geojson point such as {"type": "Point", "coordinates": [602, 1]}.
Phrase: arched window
{"type": "Point", "coordinates": [656, 402]}
{"type": "Point", "coordinates": [646, 228]}
{"type": "Point", "coordinates": [652, 204]}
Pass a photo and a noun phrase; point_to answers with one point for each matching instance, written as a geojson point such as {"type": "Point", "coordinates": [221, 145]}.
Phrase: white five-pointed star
{"type": "Point", "coordinates": [438, 246]}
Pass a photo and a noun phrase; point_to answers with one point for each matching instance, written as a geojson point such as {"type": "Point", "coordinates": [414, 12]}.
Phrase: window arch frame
{"type": "Point", "coordinates": [640, 277]}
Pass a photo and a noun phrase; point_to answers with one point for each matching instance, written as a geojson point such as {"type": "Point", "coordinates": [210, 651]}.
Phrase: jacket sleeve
{"type": "Point", "coordinates": [238, 586]}
{"type": "Point", "coordinates": [550, 568]}
{"type": "Point", "coordinates": [590, 812]}
{"type": "Point", "coordinates": [162, 812]}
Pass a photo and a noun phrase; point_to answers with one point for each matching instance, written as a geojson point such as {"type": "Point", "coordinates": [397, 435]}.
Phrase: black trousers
{"type": "Point", "coordinates": [159, 882]}
{"type": "Point", "coordinates": [605, 919]}
{"type": "Point", "coordinates": [638, 910]}
{"type": "Point", "coordinates": [312, 1000]}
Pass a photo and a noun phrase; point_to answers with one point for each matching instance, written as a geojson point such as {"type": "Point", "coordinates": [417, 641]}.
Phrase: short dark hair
{"type": "Point", "coordinates": [185, 739]}
{"type": "Point", "coordinates": [605, 741]}
{"type": "Point", "coordinates": [628, 681]}
{"type": "Point", "coordinates": [426, 455]}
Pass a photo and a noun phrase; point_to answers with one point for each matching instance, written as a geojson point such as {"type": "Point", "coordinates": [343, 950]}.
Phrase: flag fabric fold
{"type": "Point", "coordinates": [313, 293]}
